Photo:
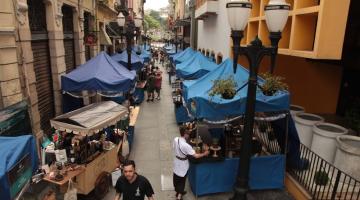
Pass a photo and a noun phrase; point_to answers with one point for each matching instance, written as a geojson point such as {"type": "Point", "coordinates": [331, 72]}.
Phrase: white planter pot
{"type": "Point", "coordinates": [324, 140]}
{"type": "Point", "coordinates": [347, 157]}
{"type": "Point", "coordinates": [295, 109]}
{"type": "Point", "coordinates": [304, 123]}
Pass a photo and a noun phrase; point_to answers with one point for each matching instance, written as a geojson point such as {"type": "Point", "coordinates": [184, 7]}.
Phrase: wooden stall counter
{"type": "Point", "coordinates": [106, 162]}
{"type": "Point", "coordinates": [134, 115]}
{"type": "Point", "coordinates": [70, 174]}
{"type": "Point", "coordinates": [84, 177]}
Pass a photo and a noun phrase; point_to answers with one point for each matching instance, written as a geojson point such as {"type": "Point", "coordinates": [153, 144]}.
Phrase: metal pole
{"type": "Point", "coordinates": [128, 46]}
{"type": "Point", "coordinates": [254, 54]}
{"type": "Point", "coordinates": [176, 42]}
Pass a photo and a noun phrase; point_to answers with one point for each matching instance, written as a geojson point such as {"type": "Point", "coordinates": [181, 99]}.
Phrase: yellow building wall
{"type": "Point", "coordinates": [88, 5]}
{"type": "Point", "coordinates": [313, 85]}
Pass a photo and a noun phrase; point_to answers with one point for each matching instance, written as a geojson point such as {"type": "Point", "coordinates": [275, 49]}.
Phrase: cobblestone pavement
{"type": "Point", "coordinates": [151, 150]}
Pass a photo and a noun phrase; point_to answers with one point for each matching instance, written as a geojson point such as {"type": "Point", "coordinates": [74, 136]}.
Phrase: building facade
{"type": "Point", "coordinates": [313, 52]}
{"type": "Point", "coordinates": [41, 40]}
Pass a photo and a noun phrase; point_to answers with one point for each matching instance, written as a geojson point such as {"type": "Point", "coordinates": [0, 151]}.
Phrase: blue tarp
{"type": "Point", "coordinates": [176, 55]}
{"type": "Point", "coordinates": [146, 56]}
{"type": "Point", "coordinates": [169, 47]}
{"type": "Point", "coordinates": [195, 68]}
{"type": "Point", "coordinates": [101, 73]}
{"type": "Point", "coordinates": [266, 172]}
{"type": "Point", "coordinates": [141, 47]}
{"type": "Point", "coordinates": [136, 61]}
{"type": "Point", "coordinates": [181, 115]}
{"type": "Point", "coordinates": [12, 150]}
{"type": "Point", "coordinates": [188, 54]}
{"type": "Point", "coordinates": [172, 52]}
{"type": "Point", "coordinates": [216, 108]}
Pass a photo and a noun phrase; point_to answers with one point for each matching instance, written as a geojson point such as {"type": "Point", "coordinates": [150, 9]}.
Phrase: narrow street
{"type": "Point", "coordinates": [152, 148]}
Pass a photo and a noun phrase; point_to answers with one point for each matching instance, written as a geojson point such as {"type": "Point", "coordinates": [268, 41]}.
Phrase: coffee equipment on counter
{"type": "Point", "coordinates": [215, 147]}
{"type": "Point", "coordinates": [58, 175]}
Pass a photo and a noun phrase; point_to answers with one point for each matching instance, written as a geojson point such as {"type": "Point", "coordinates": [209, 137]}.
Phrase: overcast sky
{"type": "Point", "coordinates": [155, 4]}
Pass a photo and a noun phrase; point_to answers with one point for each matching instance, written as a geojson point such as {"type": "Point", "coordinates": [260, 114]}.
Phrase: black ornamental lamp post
{"type": "Point", "coordinates": [130, 30]}
{"type": "Point", "coordinates": [276, 14]}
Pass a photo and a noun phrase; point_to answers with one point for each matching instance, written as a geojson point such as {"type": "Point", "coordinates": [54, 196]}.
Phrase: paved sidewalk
{"type": "Point", "coordinates": [152, 152]}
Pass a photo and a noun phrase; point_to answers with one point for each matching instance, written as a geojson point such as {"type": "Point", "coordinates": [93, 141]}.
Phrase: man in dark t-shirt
{"type": "Point", "coordinates": [131, 185]}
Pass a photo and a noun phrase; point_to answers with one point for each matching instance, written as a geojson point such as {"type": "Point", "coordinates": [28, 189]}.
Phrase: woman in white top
{"type": "Point", "coordinates": [181, 163]}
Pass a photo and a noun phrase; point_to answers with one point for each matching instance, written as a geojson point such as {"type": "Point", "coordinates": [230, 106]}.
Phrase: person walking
{"type": "Point", "coordinates": [158, 80]}
{"type": "Point", "coordinates": [131, 185]}
{"type": "Point", "coordinates": [181, 151]}
{"type": "Point", "coordinates": [150, 86]}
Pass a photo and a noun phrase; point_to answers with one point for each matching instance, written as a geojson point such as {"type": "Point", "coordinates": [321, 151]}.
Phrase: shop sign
{"type": "Point", "coordinates": [19, 175]}
{"type": "Point", "coordinates": [90, 39]}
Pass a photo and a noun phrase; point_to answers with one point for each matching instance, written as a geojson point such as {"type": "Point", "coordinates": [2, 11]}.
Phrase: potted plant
{"type": "Point", "coordinates": [321, 178]}
{"type": "Point", "coordinates": [224, 87]}
{"type": "Point", "coordinates": [272, 84]}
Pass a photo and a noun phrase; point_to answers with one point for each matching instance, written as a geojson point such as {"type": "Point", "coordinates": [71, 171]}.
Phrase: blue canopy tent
{"type": "Point", "coordinates": [136, 61]}
{"type": "Point", "coordinates": [179, 53]}
{"type": "Point", "coordinates": [101, 73]}
{"type": "Point", "coordinates": [195, 68]}
{"type": "Point", "coordinates": [18, 162]}
{"type": "Point", "coordinates": [216, 109]}
{"type": "Point", "coordinates": [146, 56]}
{"type": "Point", "coordinates": [169, 47]}
{"type": "Point", "coordinates": [185, 56]}
{"type": "Point", "coordinates": [141, 47]}
{"type": "Point", "coordinates": [172, 52]}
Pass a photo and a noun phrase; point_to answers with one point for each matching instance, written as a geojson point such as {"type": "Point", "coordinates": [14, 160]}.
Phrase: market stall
{"type": "Point", "coordinates": [100, 75]}
{"type": "Point", "coordinates": [86, 144]}
{"type": "Point", "coordinates": [195, 68]}
{"type": "Point", "coordinates": [136, 61]}
{"type": "Point", "coordinates": [268, 153]}
{"type": "Point", "coordinates": [139, 93]}
{"type": "Point", "coordinates": [181, 57]}
{"type": "Point", "coordinates": [18, 162]}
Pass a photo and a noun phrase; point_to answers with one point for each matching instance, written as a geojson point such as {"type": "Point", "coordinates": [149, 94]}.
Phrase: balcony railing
{"type": "Point", "coordinates": [320, 178]}
{"type": "Point", "coordinates": [199, 3]}
{"type": "Point", "coordinates": [323, 180]}
{"type": "Point", "coordinates": [205, 8]}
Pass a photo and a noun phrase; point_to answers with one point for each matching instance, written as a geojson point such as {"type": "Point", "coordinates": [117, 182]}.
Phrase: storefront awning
{"type": "Point", "coordinates": [182, 22]}
{"type": "Point", "coordinates": [104, 38]}
{"type": "Point", "coordinates": [90, 119]}
{"type": "Point", "coordinates": [114, 30]}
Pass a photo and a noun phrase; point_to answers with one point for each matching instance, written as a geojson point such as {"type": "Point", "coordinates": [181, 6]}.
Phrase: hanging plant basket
{"type": "Point", "coordinates": [272, 84]}
{"type": "Point", "coordinates": [226, 88]}
{"type": "Point", "coordinates": [227, 95]}
{"type": "Point", "coordinates": [269, 93]}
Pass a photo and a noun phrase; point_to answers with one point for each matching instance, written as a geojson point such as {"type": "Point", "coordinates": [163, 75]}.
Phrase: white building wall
{"type": "Point", "coordinates": [214, 32]}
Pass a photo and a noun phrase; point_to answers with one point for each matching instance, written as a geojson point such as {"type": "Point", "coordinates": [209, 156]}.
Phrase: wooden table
{"type": "Point", "coordinates": [67, 177]}
{"type": "Point", "coordinates": [86, 175]}
{"type": "Point", "coordinates": [134, 115]}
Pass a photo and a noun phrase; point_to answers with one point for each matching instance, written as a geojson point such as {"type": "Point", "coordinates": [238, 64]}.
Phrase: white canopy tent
{"type": "Point", "coordinates": [90, 119]}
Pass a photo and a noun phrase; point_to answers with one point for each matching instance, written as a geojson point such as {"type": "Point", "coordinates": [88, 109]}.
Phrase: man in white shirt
{"type": "Point", "coordinates": [181, 163]}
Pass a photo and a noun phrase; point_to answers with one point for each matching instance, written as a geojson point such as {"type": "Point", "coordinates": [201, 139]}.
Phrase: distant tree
{"type": "Point", "coordinates": [156, 15]}
{"type": "Point", "coordinates": [152, 23]}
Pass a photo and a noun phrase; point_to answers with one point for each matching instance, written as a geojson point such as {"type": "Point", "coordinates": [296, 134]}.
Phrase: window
{"type": "Point", "coordinates": [212, 56]}
{"type": "Point", "coordinates": [219, 58]}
